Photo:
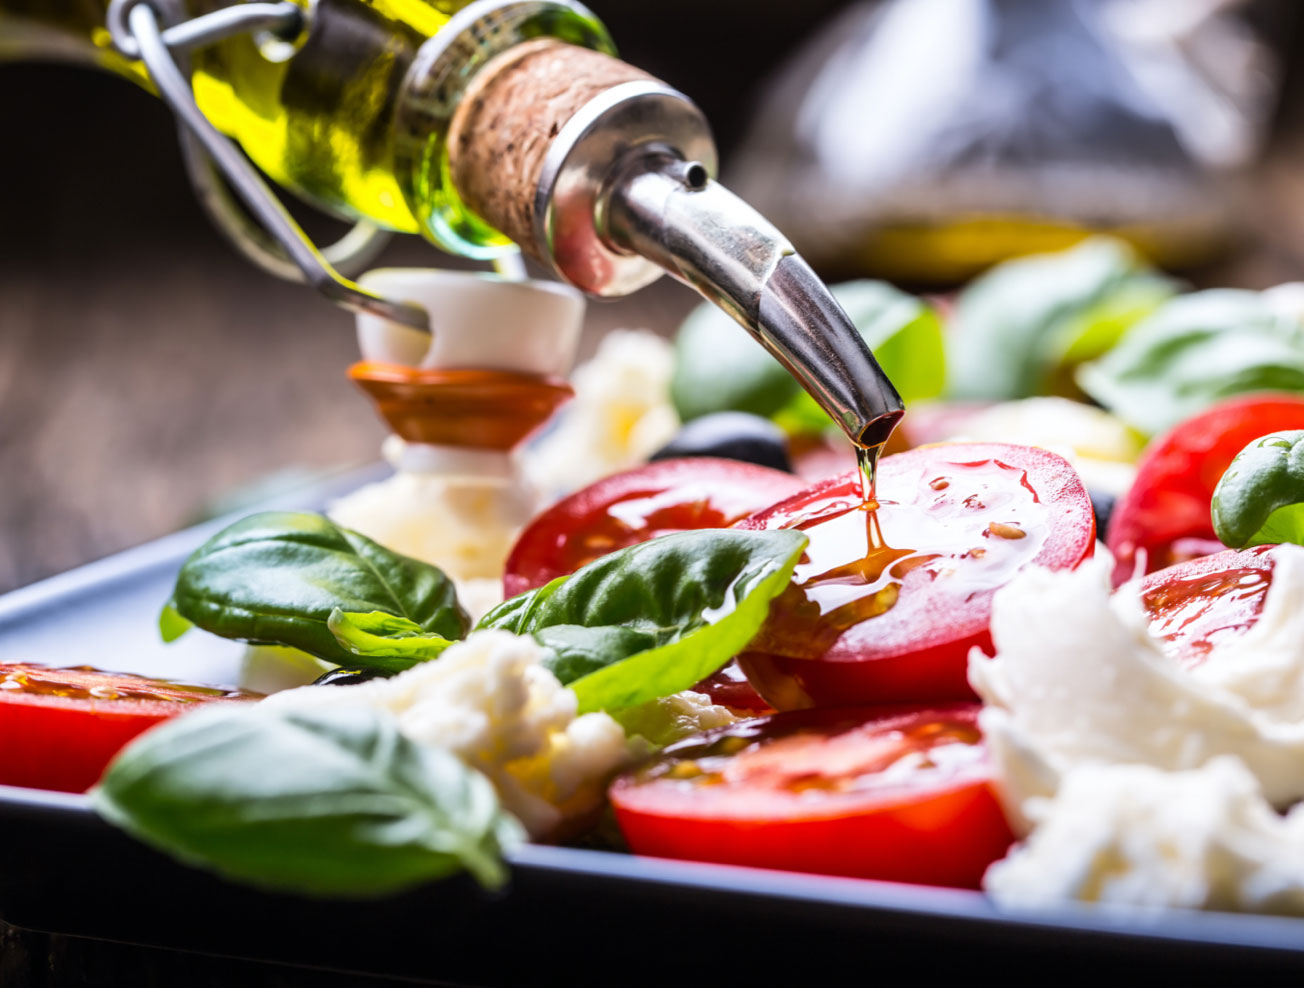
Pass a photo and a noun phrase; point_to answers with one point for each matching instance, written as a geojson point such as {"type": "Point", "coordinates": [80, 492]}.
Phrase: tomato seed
{"type": "Point", "coordinates": [1003, 531]}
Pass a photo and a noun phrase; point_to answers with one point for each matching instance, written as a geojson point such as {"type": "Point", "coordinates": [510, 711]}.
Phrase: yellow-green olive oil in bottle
{"type": "Point", "coordinates": [352, 113]}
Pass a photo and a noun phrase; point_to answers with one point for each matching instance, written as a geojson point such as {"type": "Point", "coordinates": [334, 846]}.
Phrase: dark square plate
{"type": "Point", "coordinates": [569, 916]}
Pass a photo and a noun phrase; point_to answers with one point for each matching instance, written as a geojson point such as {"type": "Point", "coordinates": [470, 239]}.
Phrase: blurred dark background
{"type": "Point", "coordinates": [146, 371]}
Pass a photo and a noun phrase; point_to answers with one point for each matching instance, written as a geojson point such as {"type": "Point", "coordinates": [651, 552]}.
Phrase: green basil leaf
{"type": "Point", "coordinates": [172, 625]}
{"type": "Point", "coordinates": [1018, 325]}
{"type": "Point", "coordinates": [274, 579]}
{"type": "Point", "coordinates": [326, 802]}
{"type": "Point", "coordinates": [384, 641]}
{"type": "Point", "coordinates": [657, 617]}
{"type": "Point", "coordinates": [1193, 352]}
{"type": "Point", "coordinates": [1260, 498]}
{"type": "Point", "coordinates": [578, 651]}
{"type": "Point", "coordinates": [718, 367]}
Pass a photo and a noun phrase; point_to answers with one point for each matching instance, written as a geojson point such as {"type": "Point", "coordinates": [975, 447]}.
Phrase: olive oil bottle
{"type": "Point", "coordinates": [340, 114]}
{"type": "Point", "coordinates": [484, 126]}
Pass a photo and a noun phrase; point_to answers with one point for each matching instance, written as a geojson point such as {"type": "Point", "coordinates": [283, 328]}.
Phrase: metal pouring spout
{"type": "Point", "coordinates": [609, 183]}
{"type": "Point", "coordinates": [671, 212]}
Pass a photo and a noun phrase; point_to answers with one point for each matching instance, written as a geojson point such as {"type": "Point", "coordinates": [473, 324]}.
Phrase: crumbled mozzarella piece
{"type": "Point", "coordinates": [465, 526]}
{"type": "Point", "coordinates": [1137, 835]}
{"type": "Point", "coordinates": [490, 702]}
{"type": "Point", "coordinates": [1265, 666]}
{"type": "Point", "coordinates": [1077, 680]}
{"type": "Point", "coordinates": [620, 415]}
{"type": "Point", "coordinates": [670, 718]}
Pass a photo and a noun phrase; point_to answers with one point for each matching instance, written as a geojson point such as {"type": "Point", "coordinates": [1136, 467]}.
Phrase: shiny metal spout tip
{"type": "Point", "coordinates": [625, 192]}
{"type": "Point", "coordinates": [668, 211]}
{"type": "Point", "coordinates": [801, 323]}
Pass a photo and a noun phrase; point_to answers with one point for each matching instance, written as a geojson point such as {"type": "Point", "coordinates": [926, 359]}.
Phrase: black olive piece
{"type": "Point", "coordinates": [348, 676]}
{"type": "Point", "coordinates": [733, 436]}
{"type": "Point", "coordinates": [1102, 506]}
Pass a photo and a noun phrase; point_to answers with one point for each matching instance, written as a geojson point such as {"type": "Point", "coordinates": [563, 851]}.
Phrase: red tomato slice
{"type": "Point", "coordinates": [637, 505]}
{"type": "Point", "coordinates": [59, 728]}
{"type": "Point", "coordinates": [1199, 604]}
{"type": "Point", "coordinates": [902, 794]}
{"type": "Point", "coordinates": [1165, 514]}
{"type": "Point", "coordinates": [886, 604]}
{"type": "Point", "coordinates": [631, 507]}
{"type": "Point", "coordinates": [729, 688]}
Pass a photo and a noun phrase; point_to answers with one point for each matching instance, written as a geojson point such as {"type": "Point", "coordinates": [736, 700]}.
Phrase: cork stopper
{"type": "Point", "coordinates": [507, 120]}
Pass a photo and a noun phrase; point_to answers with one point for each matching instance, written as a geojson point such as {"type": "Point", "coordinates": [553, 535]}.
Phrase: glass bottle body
{"type": "Point", "coordinates": [351, 115]}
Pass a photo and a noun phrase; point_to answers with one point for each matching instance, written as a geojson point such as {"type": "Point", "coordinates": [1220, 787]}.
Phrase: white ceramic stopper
{"type": "Point", "coordinates": [479, 320]}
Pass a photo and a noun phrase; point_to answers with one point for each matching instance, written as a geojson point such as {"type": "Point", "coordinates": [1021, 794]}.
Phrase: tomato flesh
{"type": "Point", "coordinates": [889, 598]}
{"type": "Point", "coordinates": [1195, 606]}
{"type": "Point", "coordinates": [1165, 514]}
{"type": "Point", "coordinates": [901, 794]}
{"type": "Point", "coordinates": [637, 505]}
{"type": "Point", "coordinates": [59, 728]}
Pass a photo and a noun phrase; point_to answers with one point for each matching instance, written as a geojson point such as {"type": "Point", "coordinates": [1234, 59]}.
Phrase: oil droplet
{"type": "Point", "coordinates": [939, 483]}
{"type": "Point", "coordinates": [860, 560]}
{"type": "Point", "coordinates": [867, 461]}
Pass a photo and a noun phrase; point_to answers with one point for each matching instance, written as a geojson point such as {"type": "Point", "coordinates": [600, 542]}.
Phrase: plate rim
{"type": "Point", "coordinates": [1279, 936]}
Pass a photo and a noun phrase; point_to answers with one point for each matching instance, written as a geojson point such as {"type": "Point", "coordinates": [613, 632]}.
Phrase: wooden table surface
{"type": "Point", "coordinates": [137, 393]}
{"type": "Point", "coordinates": [147, 372]}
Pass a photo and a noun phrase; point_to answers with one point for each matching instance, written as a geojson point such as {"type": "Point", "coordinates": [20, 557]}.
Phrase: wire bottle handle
{"type": "Point", "coordinates": [221, 173]}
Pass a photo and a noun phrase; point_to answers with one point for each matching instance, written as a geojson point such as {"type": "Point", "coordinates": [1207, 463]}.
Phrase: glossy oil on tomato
{"type": "Point", "coordinates": [1164, 517]}
{"type": "Point", "coordinates": [637, 505]}
{"type": "Point", "coordinates": [1196, 606]}
{"type": "Point", "coordinates": [59, 728]}
{"type": "Point", "coordinates": [890, 596]}
{"type": "Point", "coordinates": [902, 794]}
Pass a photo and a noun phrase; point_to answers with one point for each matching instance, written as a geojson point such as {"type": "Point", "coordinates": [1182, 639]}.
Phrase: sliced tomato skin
{"type": "Point", "coordinates": [918, 651]}
{"type": "Point", "coordinates": [730, 688]}
{"type": "Point", "coordinates": [64, 743]}
{"type": "Point", "coordinates": [938, 673]}
{"type": "Point", "coordinates": [1165, 513]}
{"type": "Point", "coordinates": [1202, 603]}
{"type": "Point", "coordinates": [693, 492]}
{"type": "Point", "coordinates": [941, 832]}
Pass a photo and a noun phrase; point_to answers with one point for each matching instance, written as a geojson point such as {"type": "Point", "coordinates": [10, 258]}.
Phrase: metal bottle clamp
{"type": "Point", "coordinates": [273, 240]}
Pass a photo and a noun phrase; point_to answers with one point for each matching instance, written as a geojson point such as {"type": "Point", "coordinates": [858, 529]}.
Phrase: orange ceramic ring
{"type": "Point", "coordinates": [482, 409]}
